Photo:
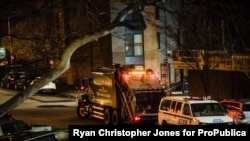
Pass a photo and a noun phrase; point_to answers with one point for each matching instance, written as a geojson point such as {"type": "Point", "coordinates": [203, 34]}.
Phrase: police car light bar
{"type": "Point", "coordinates": [198, 98]}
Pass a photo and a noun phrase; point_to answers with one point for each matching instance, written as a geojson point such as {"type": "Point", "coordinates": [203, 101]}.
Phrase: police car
{"type": "Point", "coordinates": [187, 110]}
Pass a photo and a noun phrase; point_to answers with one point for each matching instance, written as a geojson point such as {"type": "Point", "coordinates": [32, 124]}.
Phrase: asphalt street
{"type": "Point", "coordinates": [62, 99]}
{"type": "Point", "coordinates": [65, 98]}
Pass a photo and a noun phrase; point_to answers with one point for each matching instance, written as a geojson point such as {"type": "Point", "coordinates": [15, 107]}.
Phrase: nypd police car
{"type": "Point", "coordinates": [187, 110]}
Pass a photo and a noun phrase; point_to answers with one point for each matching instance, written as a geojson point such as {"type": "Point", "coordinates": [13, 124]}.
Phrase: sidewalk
{"type": "Point", "coordinates": [39, 101]}
{"type": "Point", "coordinates": [69, 91]}
{"type": "Point", "coordinates": [51, 99]}
{"type": "Point", "coordinates": [73, 94]}
{"type": "Point", "coordinates": [64, 93]}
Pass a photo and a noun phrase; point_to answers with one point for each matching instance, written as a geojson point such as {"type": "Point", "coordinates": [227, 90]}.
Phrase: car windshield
{"type": "Point", "coordinates": [176, 88]}
{"type": "Point", "coordinates": [207, 109]}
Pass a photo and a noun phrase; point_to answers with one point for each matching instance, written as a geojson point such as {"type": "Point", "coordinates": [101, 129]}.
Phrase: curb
{"type": "Point", "coordinates": [70, 94]}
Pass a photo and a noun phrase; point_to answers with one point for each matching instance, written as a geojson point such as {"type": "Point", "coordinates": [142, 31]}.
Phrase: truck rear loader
{"type": "Point", "coordinates": [121, 95]}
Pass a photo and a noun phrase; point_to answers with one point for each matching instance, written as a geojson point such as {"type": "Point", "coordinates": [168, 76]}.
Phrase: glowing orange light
{"type": "Point", "coordinates": [152, 76]}
{"type": "Point", "coordinates": [125, 76]}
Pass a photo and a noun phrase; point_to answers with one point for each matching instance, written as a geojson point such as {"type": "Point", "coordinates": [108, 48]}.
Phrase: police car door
{"type": "Point", "coordinates": [186, 115]}
{"type": "Point", "coordinates": [175, 112]}
{"type": "Point", "coordinates": [179, 119]}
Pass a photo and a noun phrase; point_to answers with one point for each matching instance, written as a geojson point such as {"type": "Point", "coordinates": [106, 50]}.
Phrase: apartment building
{"type": "Point", "coordinates": [146, 48]}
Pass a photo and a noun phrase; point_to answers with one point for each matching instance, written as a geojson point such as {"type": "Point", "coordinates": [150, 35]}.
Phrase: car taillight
{"type": "Point", "coordinates": [241, 116]}
{"type": "Point", "coordinates": [137, 118]}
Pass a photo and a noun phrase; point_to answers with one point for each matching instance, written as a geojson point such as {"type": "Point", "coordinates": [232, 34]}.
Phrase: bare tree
{"type": "Point", "coordinates": [71, 48]}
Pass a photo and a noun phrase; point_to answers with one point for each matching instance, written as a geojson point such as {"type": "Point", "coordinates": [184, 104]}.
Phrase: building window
{"type": "Point", "coordinates": [157, 12]}
{"type": "Point", "coordinates": [134, 16]}
{"type": "Point", "coordinates": [158, 35]}
{"type": "Point", "coordinates": [134, 45]}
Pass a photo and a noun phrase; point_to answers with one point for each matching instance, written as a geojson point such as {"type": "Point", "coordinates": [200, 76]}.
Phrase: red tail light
{"type": "Point", "coordinates": [125, 76]}
{"type": "Point", "coordinates": [137, 118]}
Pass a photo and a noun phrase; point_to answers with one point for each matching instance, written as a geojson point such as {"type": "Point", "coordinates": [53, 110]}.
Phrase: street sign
{"type": "Point", "coordinates": [241, 62]}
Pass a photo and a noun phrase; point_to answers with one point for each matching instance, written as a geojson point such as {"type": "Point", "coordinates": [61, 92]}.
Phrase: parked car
{"type": "Point", "coordinates": [176, 89]}
{"type": "Point", "coordinates": [238, 109]}
{"type": "Point", "coordinates": [16, 80]}
{"type": "Point", "coordinates": [7, 116]}
{"type": "Point", "coordinates": [29, 136]}
{"type": "Point", "coordinates": [37, 136]}
{"type": "Point", "coordinates": [10, 126]}
{"type": "Point", "coordinates": [12, 129]}
{"type": "Point", "coordinates": [22, 82]}
{"type": "Point", "coordinates": [48, 88]}
{"type": "Point", "coordinates": [8, 81]}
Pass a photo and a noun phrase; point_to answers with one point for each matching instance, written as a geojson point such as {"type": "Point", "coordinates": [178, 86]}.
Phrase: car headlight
{"type": "Point", "coordinates": [61, 135]}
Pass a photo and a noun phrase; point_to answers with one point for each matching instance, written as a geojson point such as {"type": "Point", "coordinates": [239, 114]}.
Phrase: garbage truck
{"type": "Point", "coordinates": [121, 95]}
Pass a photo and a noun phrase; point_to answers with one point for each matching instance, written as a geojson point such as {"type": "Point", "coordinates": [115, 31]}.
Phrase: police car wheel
{"type": "Point", "coordinates": [164, 123]}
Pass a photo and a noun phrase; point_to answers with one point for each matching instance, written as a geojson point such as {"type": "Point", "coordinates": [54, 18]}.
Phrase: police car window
{"type": "Point", "coordinates": [207, 109]}
{"type": "Point", "coordinates": [186, 110]}
{"type": "Point", "coordinates": [178, 107]}
{"type": "Point", "coordinates": [172, 108]}
{"type": "Point", "coordinates": [165, 105]}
